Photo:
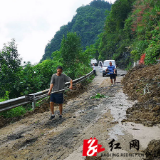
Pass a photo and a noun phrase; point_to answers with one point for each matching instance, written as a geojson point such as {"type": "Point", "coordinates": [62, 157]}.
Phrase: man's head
{"type": "Point", "coordinates": [59, 70]}
{"type": "Point", "coordinates": [110, 63]}
{"type": "Point", "coordinates": [93, 64]}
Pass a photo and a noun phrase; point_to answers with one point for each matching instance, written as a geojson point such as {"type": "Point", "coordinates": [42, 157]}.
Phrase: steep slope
{"type": "Point", "coordinates": [87, 23]}
{"type": "Point", "coordinates": [131, 30]}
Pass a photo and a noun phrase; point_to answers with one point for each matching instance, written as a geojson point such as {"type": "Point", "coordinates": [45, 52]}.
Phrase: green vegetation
{"type": "Point", "coordinates": [145, 27]}
{"type": "Point", "coordinates": [87, 23]}
{"type": "Point", "coordinates": [131, 29]}
{"type": "Point", "coordinates": [15, 112]}
{"type": "Point", "coordinates": [6, 97]}
{"type": "Point", "coordinates": [98, 95]}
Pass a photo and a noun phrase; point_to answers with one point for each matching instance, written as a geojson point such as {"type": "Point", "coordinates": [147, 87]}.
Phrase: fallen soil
{"type": "Point", "coordinates": [153, 150]}
{"type": "Point", "coordinates": [142, 83]}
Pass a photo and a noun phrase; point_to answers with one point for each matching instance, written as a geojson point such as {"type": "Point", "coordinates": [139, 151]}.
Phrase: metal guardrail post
{"type": "Point", "coordinates": [33, 102]}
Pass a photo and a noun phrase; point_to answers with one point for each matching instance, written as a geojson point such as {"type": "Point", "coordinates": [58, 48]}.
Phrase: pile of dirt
{"type": "Point", "coordinates": [152, 152]}
{"type": "Point", "coordinates": [142, 83]}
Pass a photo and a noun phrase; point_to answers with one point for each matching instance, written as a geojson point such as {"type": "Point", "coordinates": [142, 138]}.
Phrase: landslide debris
{"type": "Point", "coordinates": [153, 150]}
{"type": "Point", "coordinates": [142, 83]}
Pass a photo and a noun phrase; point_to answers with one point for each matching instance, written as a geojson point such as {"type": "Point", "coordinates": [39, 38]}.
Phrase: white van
{"type": "Point", "coordinates": [105, 65]}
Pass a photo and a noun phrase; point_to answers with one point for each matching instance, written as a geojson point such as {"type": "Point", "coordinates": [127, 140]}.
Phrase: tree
{"type": "Point", "coordinates": [9, 67]}
{"type": "Point", "coordinates": [70, 51]}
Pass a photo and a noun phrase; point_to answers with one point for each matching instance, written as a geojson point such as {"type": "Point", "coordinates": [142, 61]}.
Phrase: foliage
{"type": "Point", "coordinates": [15, 112]}
{"type": "Point", "coordinates": [9, 67]}
{"type": "Point", "coordinates": [115, 39]}
{"type": "Point", "coordinates": [87, 23]}
{"type": "Point", "coordinates": [98, 95]}
{"type": "Point", "coordinates": [6, 97]}
{"type": "Point", "coordinates": [145, 26]}
{"type": "Point", "coordinates": [75, 61]}
{"type": "Point", "coordinates": [131, 29]}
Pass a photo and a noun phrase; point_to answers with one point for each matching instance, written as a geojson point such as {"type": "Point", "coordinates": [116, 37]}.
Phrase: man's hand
{"type": "Point", "coordinates": [71, 87]}
{"type": "Point", "coordinates": [51, 86]}
{"type": "Point", "coordinates": [49, 93]}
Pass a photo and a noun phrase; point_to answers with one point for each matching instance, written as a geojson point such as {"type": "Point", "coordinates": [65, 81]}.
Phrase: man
{"type": "Point", "coordinates": [112, 72]}
{"type": "Point", "coordinates": [57, 83]}
{"type": "Point", "coordinates": [94, 69]}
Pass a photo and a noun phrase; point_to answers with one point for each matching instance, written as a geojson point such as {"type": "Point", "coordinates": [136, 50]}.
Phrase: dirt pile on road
{"type": "Point", "coordinates": [142, 83]}
{"type": "Point", "coordinates": [153, 150]}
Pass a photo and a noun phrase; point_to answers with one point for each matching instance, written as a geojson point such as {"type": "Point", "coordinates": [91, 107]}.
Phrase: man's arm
{"type": "Point", "coordinates": [68, 79]}
{"type": "Point", "coordinates": [50, 89]}
{"type": "Point", "coordinates": [71, 84]}
{"type": "Point", "coordinates": [106, 69]}
{"type": "Point", "coordinates": [114, 70]}
{"type": "Point", "coordinates": [51, 85]}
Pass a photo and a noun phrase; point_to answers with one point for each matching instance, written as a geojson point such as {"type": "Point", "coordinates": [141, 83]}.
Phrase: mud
{"type": "Point", "coordinates": [142, 83]}
{"type": "Point", "coordinates": [153, 150]}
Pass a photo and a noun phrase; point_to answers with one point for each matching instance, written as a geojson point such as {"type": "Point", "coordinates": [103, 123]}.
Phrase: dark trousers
{"type": "Point", "coordinates": [94, 71]}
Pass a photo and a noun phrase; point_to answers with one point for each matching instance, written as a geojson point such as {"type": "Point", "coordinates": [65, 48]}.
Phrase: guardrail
{"type": "Point", "coordinates": [12, 103]}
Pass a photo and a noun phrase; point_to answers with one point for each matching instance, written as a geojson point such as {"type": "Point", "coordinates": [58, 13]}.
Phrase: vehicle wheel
{"type": "Point", "coordinates": [102, 75]}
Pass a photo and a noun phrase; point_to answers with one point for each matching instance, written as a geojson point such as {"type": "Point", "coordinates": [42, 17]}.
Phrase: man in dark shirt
{"type": "Point", "coordinates": [112, 72]}
{"type": "Point", "coordinates": [57, 83]}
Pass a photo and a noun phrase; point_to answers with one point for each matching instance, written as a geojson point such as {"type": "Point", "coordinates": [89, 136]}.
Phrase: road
{"type": "Point", "coordinates": [36, 137]}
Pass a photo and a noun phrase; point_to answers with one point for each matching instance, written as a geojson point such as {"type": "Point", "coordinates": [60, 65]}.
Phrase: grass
{"type": "Point", "coordinates": [15, 112]}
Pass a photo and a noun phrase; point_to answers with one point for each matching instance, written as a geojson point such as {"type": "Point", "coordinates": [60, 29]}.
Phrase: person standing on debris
{"type": "Point", "coordinates": [57, 83]}
{"type": "Point", "coordinates": [94, 69]}
{"type": "Point", "coordinates": [112, 72]}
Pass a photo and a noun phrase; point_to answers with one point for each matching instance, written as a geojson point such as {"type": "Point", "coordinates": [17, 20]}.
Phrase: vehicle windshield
{"type": "Point", "coordinates": [106, 64]}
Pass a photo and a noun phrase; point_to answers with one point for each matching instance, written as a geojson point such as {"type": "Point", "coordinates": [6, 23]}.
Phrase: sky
{"type": "Point", "coordinates": [33, 23]}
